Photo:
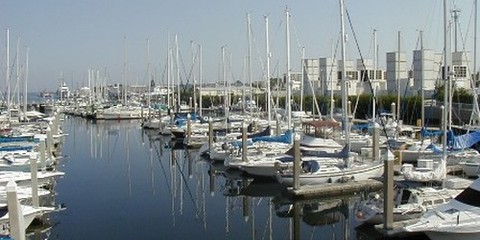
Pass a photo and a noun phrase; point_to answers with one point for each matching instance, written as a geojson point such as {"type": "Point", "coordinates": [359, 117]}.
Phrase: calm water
{"type": "Point", "coordinates": [122, 184]}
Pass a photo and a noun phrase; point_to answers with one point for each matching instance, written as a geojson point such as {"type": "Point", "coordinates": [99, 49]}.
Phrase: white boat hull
{"type": "Point", "coordinates": [331, 175]}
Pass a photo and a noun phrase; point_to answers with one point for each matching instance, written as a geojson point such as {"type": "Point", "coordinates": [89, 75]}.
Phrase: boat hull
{"type": "Point", "coordinates": [333, 176]}
{"type": "Point", "coordinates": [449, 236]}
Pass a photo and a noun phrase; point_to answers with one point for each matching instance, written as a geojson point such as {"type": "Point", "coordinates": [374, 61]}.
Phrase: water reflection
{"type": "Point", "coordinates": [142, 185]}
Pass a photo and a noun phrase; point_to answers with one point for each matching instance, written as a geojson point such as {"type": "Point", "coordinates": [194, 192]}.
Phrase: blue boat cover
{"type": "Point", "coordinates": [430, 133]}
{"type": "Point", "coordinates": [284, 138]}
{"type": "Point", "coordinates": [464, 141]}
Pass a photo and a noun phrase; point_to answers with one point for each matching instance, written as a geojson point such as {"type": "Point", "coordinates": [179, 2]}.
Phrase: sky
{"type": "Point", "coordinates": [66, 38]}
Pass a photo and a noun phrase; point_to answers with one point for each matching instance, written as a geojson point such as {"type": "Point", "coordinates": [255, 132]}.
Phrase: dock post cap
{"type": "Point", "coordinates": [11, 186]}
{"type": "Point", "coordinates": [296, 137]}
{"type": "Point", "coordinates": [33, 156]}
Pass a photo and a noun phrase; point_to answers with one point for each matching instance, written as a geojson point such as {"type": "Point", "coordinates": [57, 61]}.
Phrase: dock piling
{"type": "Point", "coordinates": [296, 162]}
{"type": "Point", "coordinates": [244, 141]}
{"type": "Point", "coordinates": [17, 223]}
{"type": "Point", "coordinates": [388, 192]}
{"type": "Point", "coordinates": [376, 142]}
{"type": "Point", "coordinates": [210, 134]}
{"type": "Point", "coordinates": [34, 180]}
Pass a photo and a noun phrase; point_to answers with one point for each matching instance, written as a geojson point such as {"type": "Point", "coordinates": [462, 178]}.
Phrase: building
{"type": "Point", "coordinates": [397, 75]}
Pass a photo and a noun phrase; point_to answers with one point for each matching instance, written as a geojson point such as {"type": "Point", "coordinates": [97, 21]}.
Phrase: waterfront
{"type": "Point", "coordinates": [122, 184]}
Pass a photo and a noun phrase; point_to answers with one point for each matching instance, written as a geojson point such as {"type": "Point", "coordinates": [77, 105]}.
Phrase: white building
{"type": "Point", "coordinates": [461, 77]}
{"type": "Point", "coordinates": [426, 70]}
{"type": "Point", "coordinates": [397, 75]}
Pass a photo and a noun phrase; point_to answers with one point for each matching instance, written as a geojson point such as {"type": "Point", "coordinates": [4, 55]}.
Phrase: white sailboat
{"type": "Point", "coordinates": [458, 219]}
{"type": "Point", "coordinates": [353, 168]}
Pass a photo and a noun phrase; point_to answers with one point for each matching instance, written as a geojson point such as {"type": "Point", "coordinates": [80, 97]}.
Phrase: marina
{"type": "Point", "coordinates": [294, 142]}
{"type": "Point", "coordinates": [128, 178]}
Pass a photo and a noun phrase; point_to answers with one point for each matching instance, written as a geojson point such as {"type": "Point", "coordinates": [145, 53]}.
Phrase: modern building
{"type": "Point", "coordinates": [397, 75]}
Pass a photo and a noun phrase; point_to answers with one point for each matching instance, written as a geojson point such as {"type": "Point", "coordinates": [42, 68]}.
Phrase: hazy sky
{"type": "Point", "coordinates": [70, 37]}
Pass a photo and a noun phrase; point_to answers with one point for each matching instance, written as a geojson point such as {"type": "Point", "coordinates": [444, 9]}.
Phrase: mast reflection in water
{"type": "Point", "coordinates": [123, 182]}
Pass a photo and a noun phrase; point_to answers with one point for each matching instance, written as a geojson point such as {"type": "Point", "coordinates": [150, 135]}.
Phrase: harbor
{"type": "Point", "coordinates": [172, 132]}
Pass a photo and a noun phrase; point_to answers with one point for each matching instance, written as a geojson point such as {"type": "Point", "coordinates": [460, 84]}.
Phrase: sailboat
{"type": "Point", "coordinates": [458, 219]}
{"type": "Point", "coordinates": [352, 168]}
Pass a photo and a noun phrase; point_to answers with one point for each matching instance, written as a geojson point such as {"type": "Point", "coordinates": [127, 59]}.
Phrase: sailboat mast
{"type": "Point", "coordinates": [288, 105]}
{"type": "Point", "coordinates": [17, 62]}
{"type": "Point", "coordinates": [194, 79]}
{"type": "Point", "coordinates": [475, 47]}
{"type": "Point", "coordinates": [178, 71]}
{"type": "Point", "coordinates": [345, 120]}
{"type": "Point", "coordinates": [148, 78]}
{"type": "Point", "coordinates": [423, 79]}
{"type": "Point", "coordinates": [446, 59]}
{"type": "Point", "coordinates": [374, 87]}
{"type": "Point", "coordinates": [268, 100]}
{"type": "Point", "coordinates": [302, 66]}
{"type": "Point", "coordinates": [25, 91]}
{"type": "Point", "coordinates": [398, 78]}
{"type": "Point", "coordinates": [225, 85]}
{"type": "Point", "coordinates": [249, 61]}
{"type": "Point", "coordinates": [200, 79]}
{"type": "Point", "coordinates": [125, 72]}
{"type": "Point", "coordinates": [168, 71]}
{"type": "Point", "coordinates": [8, 71]}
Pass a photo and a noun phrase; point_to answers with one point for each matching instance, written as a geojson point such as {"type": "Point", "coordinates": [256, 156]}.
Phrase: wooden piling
{"type": "Point", "coordinates": [34, 179]}
{"type": "Point", "coordinates": [17, 222]}
{"type": "Point", "coordinates": [42, 154]}
{"type": "Point", "coordinates": [388, 192]}
{"type": "Point", "coordinates": [244, 142]}
{"type": "Point", "coordinates": [210, 134]}
{"type": "Point", "coordinates": [376, 142]}
{"type": "Point", "coordinates": [296, 162]}
{"type": "Point", "coordinates": [189, 128]}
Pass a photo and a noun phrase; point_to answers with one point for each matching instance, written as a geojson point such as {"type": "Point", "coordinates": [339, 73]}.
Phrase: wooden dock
{"type": "Point", "coordinates": [334, 189]}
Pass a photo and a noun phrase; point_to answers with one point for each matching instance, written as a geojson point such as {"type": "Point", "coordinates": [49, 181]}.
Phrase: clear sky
{"type": "Point", "coordinates": [70, 37]}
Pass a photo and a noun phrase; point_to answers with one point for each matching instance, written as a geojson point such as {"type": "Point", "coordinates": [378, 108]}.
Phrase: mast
{"type": "Point", "coordinates": [268, 100]}
{"type": "Point", "coordinates": [194, 80]}
{"type": "Point", "coordinates": [125, 73]}
{"type": "Point", "coordinates": [17, 62]}
{"type": "Point", "coordinates": [398, 79]}
{"type": "Point", "coordinates": [302, 66]}
{"type": "Point", "coordinates": [287, 80]}
{"type": "Point", "coordinates": [446, 59]}
{"type": "Point", "coordinates": [168, 72]}
{"type": "Point", "coordinates": [345, 120]}
{"type": "Point", "coordinates": [332, 100]}
{"type": "Point", "coordinates": [8, 71]}
{"type": "Point", "coordinates": [422, 52]}
{"type": "Point", "coordinates": [178, 72]}
{"type": "Point", "coordinates": [225, 89]}
{"type": "Point", "coordinates": [26, 85]}
{"type": "Point", "coordinates": [375, 62]}
{"type": "Point", "coordinates": [200, 78]}
{"type": "Point", "coordinates": [148, 79]}
{"type": "Point", "coordinates": [249, 62]}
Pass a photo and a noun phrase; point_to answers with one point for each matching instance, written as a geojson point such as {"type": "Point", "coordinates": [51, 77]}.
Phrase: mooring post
{"type": "Point", "coordinates": [17, 222]}
{"type": "Point", "coordinates": [388, 192]}
{"type": "Point", "coordinates": [244, 141]}
{"type": "Point", "coordinates": [376, 142]}
{"type": "Point", "coordinates": [189, 128]}
{"type": "Point", "coordinates": [34, 180]}
{"type": "Point", "coordinates": [42, 154]}
{"type": "Point", "coordinates": [49, 143]}
{"type": "Point", "coordinates": [210, 135]}
{"type": "Point", "coordinates": [393, 109]}
{"type": "Point", "coordinates": [296, 162]}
